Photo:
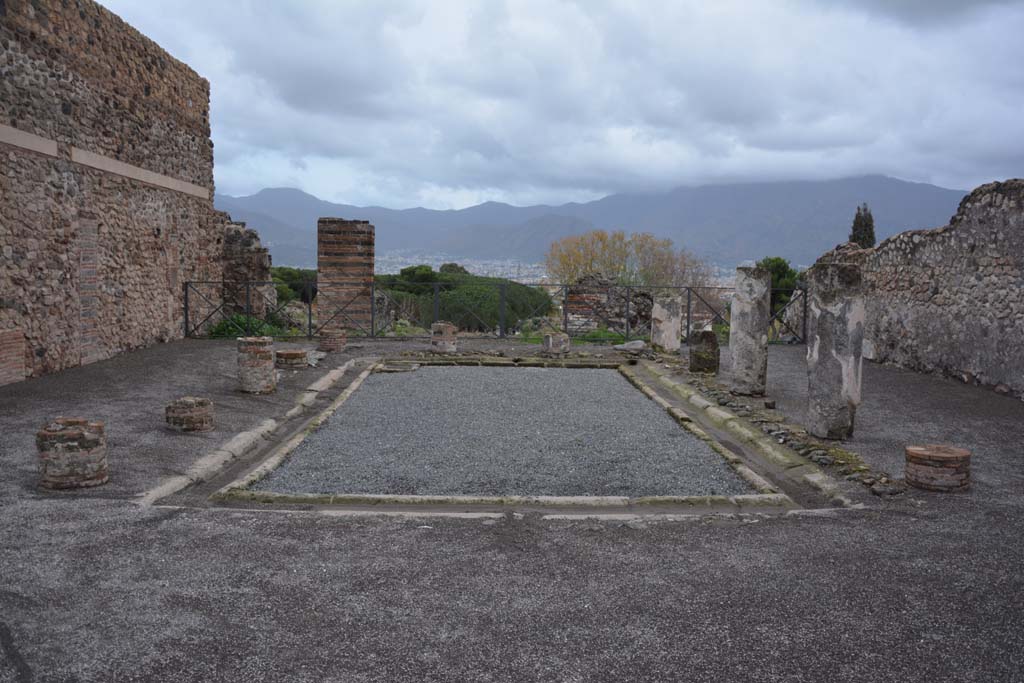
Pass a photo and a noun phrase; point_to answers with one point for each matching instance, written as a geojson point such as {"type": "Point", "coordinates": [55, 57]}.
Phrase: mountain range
{"type": "Point", "coordinates": [724, 224]}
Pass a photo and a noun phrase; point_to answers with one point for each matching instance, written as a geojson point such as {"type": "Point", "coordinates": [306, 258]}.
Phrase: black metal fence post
{"type": "Point", "coordinates": [565, 309]}
{"type": "Point", "coordinates": [629, 298]}
{"type": "Point", "coordinates": [309, 309]}
{"type": "Point", "coordinates": [248, 309]}
{"type": "Point", "coordinates": [689, 312]}
{"type": "Point", "coordinates": [186, 311]}
{"type": "Point", "coordinates": [373, 308]}
{"type": "Point", "coordinates": [437, 302]}
{"type": "Point", "coordinates": [501, 309]}
{"type": "Point", "coordinates": [804, 316]}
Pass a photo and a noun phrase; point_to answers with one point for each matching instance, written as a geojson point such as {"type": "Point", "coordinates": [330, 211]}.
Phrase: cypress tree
{"type": "Point", "coordinates": [863, 231]}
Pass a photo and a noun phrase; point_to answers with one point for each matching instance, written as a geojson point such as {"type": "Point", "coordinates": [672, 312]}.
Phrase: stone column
{"type": "Point", "coordinates": [344, 272]}
{"type": "Point", "coordinates": [72, 454]}
{"type": "Point", "coordinates": [750, 312]}
{"type": "Point", "coordinates": [835, 336]}
{"type": "Point", "coordinates": [256, 372]}
{"type": "Point", "coordinates": [667, 323]}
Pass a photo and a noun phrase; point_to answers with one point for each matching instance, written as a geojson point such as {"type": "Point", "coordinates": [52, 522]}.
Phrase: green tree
{"type": "Point", "coordinates": [784, 279]}
{"type": "Point", "coordinates": [452, 269]}
{"type": "Point", "coordinates": [863, 230]}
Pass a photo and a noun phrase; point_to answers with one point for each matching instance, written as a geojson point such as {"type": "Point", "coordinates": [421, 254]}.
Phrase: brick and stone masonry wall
{"type": "Point", "coordinates": [248, 283]}
{"type": "Point", "coordinates": [344, 264]}
{"type": "Point", "coordinates": [107, 184]}
{"type": "Point", "coordinates": [951, 300]}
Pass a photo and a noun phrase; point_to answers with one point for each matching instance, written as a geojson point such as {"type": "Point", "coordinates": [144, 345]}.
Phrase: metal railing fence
{"type": "Point", "coordinates": [595, 313]}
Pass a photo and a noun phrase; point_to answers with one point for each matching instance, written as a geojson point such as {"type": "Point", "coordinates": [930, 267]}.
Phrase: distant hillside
{"type": "Point", "coordinates": [724, 224]}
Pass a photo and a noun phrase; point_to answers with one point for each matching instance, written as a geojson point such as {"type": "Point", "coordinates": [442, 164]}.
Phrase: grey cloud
{"type": "Point", "coordinates": [929, 12]}
{"type": "Point", "coordinates": [446, 102]}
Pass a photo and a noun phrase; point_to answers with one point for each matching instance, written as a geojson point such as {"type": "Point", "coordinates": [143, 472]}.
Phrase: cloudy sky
{"type": "Point", "coordinates": [445, 104]}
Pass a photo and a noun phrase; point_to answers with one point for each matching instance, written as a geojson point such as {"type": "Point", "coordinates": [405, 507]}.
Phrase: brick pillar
{"type": "Point", "coordinates": [344, 265]}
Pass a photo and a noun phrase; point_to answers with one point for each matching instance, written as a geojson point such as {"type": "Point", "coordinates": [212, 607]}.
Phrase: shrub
{"type": "Point", "coordinates": [240, 325]}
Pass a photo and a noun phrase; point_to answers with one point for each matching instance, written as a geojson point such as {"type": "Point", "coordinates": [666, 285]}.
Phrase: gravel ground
{"type": "Point", "coordinates": [500, 431]}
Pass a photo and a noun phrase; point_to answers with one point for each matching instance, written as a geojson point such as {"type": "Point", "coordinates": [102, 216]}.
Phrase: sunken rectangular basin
{"type": "Point", "coordinates": [491, 431]}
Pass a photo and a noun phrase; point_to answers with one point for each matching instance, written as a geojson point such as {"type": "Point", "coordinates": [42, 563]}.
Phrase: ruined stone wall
{"type": "Point", "coordinates": [248, 284]}
{"type": "Point", "coordinates": [107, 184]}
{"type": "Point", "coordinates": [951, 300]}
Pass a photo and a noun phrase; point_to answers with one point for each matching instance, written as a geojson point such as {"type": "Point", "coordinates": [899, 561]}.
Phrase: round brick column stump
{"type": "Point", "coordinates": [256, 372]}
{"type": "Point", "coordinates": [333, 341]}
{"type": "Point", "coordinates": [190, 414]}
{"type": "Point", "coordinates": [72, 454]}
{"type": "Point", "coordinates": [291, 359]}
{"type": "Point", "coordinates": [935, 467]}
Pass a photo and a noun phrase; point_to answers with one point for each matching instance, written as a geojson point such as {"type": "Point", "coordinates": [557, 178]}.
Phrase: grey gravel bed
{"type": "Point", "coordinates": [503, 431]}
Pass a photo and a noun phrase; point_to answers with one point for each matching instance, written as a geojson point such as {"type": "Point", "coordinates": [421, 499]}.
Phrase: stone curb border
{"type": "Point", "coordinates": [240, 444]}
{"type": "Point", "coordinates": [520, 362]}
{"type": "Point", "coordinates": [718, 503]}
{"type": "Point", "coordinates": [240, 489]}
{"type": "Point", "coordinates": [242, 484]}
{"type": "Point", "coordinates": [794, 466]}
{"type": "Point", "coordinates": [760, 484]}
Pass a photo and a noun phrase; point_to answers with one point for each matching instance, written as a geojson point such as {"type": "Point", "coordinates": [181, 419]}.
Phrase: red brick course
{"type": "Point", "coordinates": [12, 356]}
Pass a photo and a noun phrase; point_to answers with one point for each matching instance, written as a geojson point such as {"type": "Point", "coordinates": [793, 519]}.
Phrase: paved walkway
{"type": "Point", "coordinates": [924, 587]}
{"type": "Point", "coordinates": [901, 407]}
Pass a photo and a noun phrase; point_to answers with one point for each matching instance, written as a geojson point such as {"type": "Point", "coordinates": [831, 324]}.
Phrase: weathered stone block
{"type": "Point", "coordinates": [704, 352]}
{"type": "Point", "coordinates": [835, 335]}
{"type": "Point", "coordinates": [256, 372]}
{"type": "Point", "coordinates": [750, 311]}
{"type": "Point", "coordinates": [190, 414]}
{"type": "Point", "coordinates": [557, 342]}
{"type": "Point", "coordinates": [72, 454]}
{"type": "Point", "coordinates": [443, 337]}
{"type": "Point", "coordinates": [937, 467]}
{"type": "Point", "coordinates": [666, 323]}
{"type": "Point", "coordinates": [292, 359]}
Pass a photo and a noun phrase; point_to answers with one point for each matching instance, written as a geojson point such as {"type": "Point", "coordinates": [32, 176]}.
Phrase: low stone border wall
{"type": "Point", "coordinates": [794, 467]}
{"type": "Point", "coordinates": [768, 497]}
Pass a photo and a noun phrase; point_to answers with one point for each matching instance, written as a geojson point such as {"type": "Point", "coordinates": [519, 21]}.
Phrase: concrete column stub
{"type": "Point", "coordinates": [667, 323]}
{"type": "Point", "coordinates": [835, 340]}
{"type": "Point", "coordinates": [750, 312]}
